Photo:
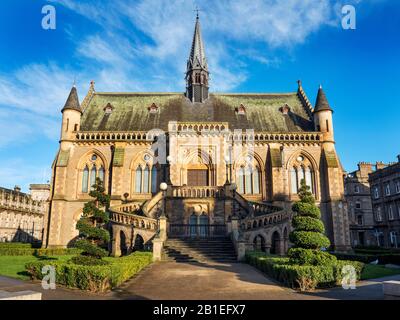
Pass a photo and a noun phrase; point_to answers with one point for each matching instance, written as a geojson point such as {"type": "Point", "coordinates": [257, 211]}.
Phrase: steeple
{"type": "Point", "coordinates": [322, 103]}
{"type": "Point", "coordinates": [72, 102]}
{"type": "Point", "coordinates": [197, 74]}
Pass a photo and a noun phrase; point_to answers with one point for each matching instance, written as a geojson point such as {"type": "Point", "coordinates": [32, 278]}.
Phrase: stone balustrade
{"type": "Point", "coordinates": [116, 136]}
{"type": "Point", "coordinates": [136, 221]}
{"type": "Point", "coordinates": [310, 137]}
{"type": "Point", "coordinates": [128, 207]}
{"type": "Point", "coordinates": [197, 192]}
{"type": "Point", "coordinates": [18, 201]}
{"type": "Point", "coordinates": [262, 221]}
{"type": "Point", "coordinates": [260, 209]}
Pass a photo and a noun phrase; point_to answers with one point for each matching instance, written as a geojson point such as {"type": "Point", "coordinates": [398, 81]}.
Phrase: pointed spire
{"type": "Point", "coordinates": [322, 103]}
{"type": "Point", "coordinates": [197, 57]}
{"type": "Point", "coordinates": [72, 102]}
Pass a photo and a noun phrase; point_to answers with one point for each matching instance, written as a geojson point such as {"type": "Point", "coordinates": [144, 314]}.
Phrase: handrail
{"type": "Point", "coordinates": [150, 204]}
{"type": "Point", "coordinates": [197, 192]}
{"type": "Point", "coordinates": [137, 221]}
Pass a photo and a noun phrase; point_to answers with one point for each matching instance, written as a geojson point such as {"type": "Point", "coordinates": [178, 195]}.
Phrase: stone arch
{"type": "Point", "coordinates": [275, 242]}
{"type": "Point", "coordinates": [259, 242]}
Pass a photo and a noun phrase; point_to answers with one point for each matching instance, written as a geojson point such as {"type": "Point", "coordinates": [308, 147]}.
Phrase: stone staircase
{"type": "Point", "coordinates": [200, 250]}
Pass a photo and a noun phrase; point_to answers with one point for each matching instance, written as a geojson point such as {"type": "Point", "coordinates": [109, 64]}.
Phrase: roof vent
{"type": "Point", "coordinates": [241, 109]}
{"type": "Point", "coordinates": [153, 108]}
{"type": "Point", "coordinates": [108, 108]}
{"type": "Point", "coordinates": [285, 109]}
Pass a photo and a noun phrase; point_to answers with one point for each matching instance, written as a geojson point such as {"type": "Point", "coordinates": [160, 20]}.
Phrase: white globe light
{"type": "Point", "coordinates": [163, 186]}
{"type": "Point", "coordinates": [227, 158]}
{"type": "Point", "coordinates": [169, 159]}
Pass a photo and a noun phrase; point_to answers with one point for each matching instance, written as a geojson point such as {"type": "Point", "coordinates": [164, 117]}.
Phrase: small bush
{"type": "Point", "coordinates": [98, 278]}
{"type": "Point", "coordinates": [303, 277]}
{"type": "Point", "coordinates": [88, 261]}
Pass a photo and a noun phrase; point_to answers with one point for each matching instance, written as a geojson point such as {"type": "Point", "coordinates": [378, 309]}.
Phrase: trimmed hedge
{"type": "Point", "coordinates": [311, 257]}
{"type": "Point", "coordinates": [303, 277]}
{"type": "Point", "coordinates": [367, 258]}
{"type": "Point", "coordinates": [26, 251]}
{"type": "Point", "coordinates": [93, 278]}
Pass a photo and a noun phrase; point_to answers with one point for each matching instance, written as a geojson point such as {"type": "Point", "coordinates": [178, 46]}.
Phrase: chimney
{"type": "Point", "coordinates": [365, 168]}
{"type": "Point", "coordinates": [380, 165]}
{"type": "Point", "coordinates": [17, 189]}
{"type": "Point", "coordinates": [398, 158]}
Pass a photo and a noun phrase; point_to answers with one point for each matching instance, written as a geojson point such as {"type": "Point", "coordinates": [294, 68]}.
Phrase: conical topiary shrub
{"type": "Point", "coordinates": [93, 236]}
{"type": "Point", "coordinates": [308, 235]}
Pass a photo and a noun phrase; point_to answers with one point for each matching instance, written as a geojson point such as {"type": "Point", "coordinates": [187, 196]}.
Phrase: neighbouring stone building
{"type": "Point", "coordinates": [22, 215]}
{"type": "Point", "coordinates": [358, 197]}
{"type": "Point", "coordinates": [226, 158]}
{"type": "Point", "coordinates": [385, 196]}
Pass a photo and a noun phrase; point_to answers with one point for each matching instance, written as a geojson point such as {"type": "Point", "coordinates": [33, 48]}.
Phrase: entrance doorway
{"type": "Point", "coordinates": [197, 177]}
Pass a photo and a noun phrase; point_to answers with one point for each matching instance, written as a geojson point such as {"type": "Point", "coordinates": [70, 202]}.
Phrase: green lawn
{"type": "Point", "coordinates": [14, 266]}
{"type": "Point", "coordinates": [371, 271]}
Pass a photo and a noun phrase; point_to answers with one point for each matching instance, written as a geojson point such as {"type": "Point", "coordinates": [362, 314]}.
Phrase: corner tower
{"type": "Point", "coordinates": [197, 75]}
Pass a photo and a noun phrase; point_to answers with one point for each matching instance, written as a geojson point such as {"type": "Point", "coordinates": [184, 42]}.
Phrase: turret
{"type": "Point", "coordinates": [323, 116]}
{"type": "Point", "coordinates": [71, 116]}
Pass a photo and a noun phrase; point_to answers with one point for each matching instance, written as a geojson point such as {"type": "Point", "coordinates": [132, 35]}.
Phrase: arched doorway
{"type": "Point", "coordinates": [139, 243]}
{"type": "Point", "coordinates": [275, 240]}
{"type": "Point", "coordinates": [259, 243]}
{"type": "Point", "coordinates": [123, 246]}
{"type": "Point", "coordinates": [193, 225]}
{"type": "Point", "coordinates": [203, 225]}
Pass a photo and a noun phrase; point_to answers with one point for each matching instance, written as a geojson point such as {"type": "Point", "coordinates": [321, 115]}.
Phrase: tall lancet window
{"type": "Point", "coordinates": [93, 175]}
{"type": "Point", "coordinates": [154, 179]}
{"type": "Point", "coordinates": [293, 180]}
{"type": "Point", "coordinates": [242, 174]}
{"type": "Point", "coordinates": [256, 180]}
{"type": "Point", "coordinates": [146, 179]}
{"type": "Point", "coordinates": [85, 178]}
{"type": "Point", "coordinates": [248, 184]}
{"type": "Point", "coordinates": [308, 174]}
{"type": "Point", "coordinates": [101, 174]}
{"type": "Point", "coordinates": [138, 179]}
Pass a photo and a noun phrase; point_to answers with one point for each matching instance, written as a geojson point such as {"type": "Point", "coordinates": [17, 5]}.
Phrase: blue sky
{"type": "Point", "coordinates": [142, 45]}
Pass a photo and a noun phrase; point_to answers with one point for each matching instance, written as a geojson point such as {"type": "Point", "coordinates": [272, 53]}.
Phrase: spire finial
{"type": "Point", "coordinates": [320, 86]}
{"type": "Point", "coordinates": [197, 12]}
{"type": "Point", "coordinates": [74, 84]}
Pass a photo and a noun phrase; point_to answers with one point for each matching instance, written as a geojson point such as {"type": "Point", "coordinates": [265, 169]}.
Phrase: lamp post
{"type": "Point", "coordinates": [234, 199]}
{"type": "Point", "coordinates": [168, 177]}
{"type": "Point", "coordinates": [227, 168]}
{"type": "Point", "coordinates": [163, 188]}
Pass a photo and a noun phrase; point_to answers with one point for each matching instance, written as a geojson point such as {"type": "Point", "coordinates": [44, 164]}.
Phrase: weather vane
{"type": "Point", "coordinates": [197, 10]}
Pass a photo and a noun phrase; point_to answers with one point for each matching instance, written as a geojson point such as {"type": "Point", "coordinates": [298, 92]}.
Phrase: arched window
{"type": "Point", "coordinates": [93, 175]}
{"type": "Point", "coordinates": [154, 179]}
{"type": "Point", "coordinates": [301, 170]}
{"type": "Point", "coordinates": [138, 179]}
{"type": "Point", "coordinates": [146, 179]}
{"type": "Point", "coordinates": [249, 180]}
{"type": "Point", "coordinates": [85, 177]}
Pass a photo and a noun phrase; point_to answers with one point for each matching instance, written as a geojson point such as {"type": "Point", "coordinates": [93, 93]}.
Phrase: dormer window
{"type": "Point", "coordinates": [241, 109]}
{"type": "Point", "coordinates": [285, 109]}
{"type": "Point", "coordinates": [153, 108]}
{"type": "Point", "coordinates": [108, 109]}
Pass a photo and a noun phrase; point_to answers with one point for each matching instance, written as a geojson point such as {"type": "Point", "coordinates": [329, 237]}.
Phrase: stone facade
{"type": "Point", "coordinates": [358, 197]}
{"type": "Point", "coordinates": [263, 144]}
{"type": "Point", "coordinates": [22, 215]}
{"type": "Point", "coordinates": [385, 196]}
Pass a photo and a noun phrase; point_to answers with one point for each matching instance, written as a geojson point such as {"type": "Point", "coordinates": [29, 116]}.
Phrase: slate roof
{"type": "Point", "coordinates": [322, 102]}
{"type": "Point", "coordinates": [130, 112]}
{"type": "Point", "coordinates": [72, 102]}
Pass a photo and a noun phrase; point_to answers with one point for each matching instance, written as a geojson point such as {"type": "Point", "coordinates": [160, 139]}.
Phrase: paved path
{"type": "Point", "coordinates": [200, 281]}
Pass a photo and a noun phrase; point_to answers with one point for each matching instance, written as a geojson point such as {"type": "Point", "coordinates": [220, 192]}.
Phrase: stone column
{"type": "Point", "coordinates": [116, 243]}
{"type": "Point", "coordinates": [163, 228]}
{"type": "Point", "coordinates": [158, 245]}
{"type": "Point", "coordinates": [241, 250]}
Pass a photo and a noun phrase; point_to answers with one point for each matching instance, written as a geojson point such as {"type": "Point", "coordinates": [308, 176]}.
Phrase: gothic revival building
{"type": "Point", "coordinates": [231, 162]}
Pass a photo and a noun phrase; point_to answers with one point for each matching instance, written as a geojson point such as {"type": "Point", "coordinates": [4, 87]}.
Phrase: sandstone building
{"type": "Point", "coordinates": [22, 215]}
{"type": "Point", "coordinates": [358, 197]}
{"type": "Point", "coordinates": [385, 196]}
{"type": "Point", "coordinates": [226, 159]}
